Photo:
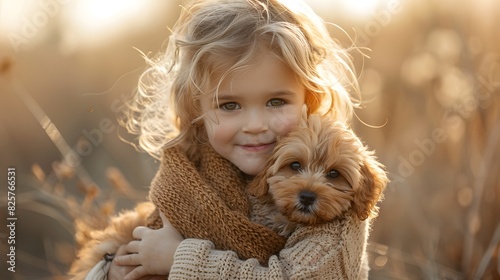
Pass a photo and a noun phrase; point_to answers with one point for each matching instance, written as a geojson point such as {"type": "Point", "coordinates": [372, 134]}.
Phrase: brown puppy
{"type": "Point", "coordinates": [95, 243]}
{"type": "Point", "coordinates": [318, 172]}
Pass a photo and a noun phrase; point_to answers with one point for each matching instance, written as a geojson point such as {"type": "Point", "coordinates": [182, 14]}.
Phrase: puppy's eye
{"type": "Point", "coordinates": [295, 165]}
{"type": "Point", "coordinates": [333, 173]}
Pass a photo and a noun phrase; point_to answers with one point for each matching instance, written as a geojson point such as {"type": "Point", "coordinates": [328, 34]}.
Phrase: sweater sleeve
{"type": "Point", "coordinates": [330, 251]}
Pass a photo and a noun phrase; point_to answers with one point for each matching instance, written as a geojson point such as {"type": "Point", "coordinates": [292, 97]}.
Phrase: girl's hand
{"type": "Point", "coordinates": [118, 272]}
{"type": "Point", "coordinates": [153, 251]}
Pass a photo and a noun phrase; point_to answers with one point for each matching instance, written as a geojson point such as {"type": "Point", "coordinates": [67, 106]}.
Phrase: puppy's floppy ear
{"type": "Point", "coordinates": [258, 187]}
{"type": "Point", "coordinates": [373, 182]}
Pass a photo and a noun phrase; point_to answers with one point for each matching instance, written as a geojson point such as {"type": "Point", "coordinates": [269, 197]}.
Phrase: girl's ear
{"type": "Point", "coordinates": [374, 180]}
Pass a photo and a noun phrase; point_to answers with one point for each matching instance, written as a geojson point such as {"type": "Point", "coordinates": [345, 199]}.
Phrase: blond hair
{"type": "Point", "coordinates": [211, 39]}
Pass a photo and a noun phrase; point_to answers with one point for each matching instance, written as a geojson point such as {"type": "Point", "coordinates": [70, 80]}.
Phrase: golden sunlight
{"type": "Point", "coordinates": [99, 18]}
{"type": "Point", "coordinates": [360, 7]}
{"type": "Point", "coordinates": [10, 13]}
{"type": "Point", "coordinates": [352, 8]}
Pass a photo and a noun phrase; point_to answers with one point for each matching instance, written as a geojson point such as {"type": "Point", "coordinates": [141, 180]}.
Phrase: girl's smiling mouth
{"type": "Point", "coordinates": [258, 147]}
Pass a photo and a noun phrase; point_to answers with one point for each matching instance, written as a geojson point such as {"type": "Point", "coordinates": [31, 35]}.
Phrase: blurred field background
{"type": "Point", "coordinates": [432, 105]}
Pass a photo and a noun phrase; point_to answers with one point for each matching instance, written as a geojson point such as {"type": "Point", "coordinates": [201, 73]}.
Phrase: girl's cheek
{"type": "Point", "coordinates": [282, 124]}
{"type": "Point", "coordinates": [213, 123]}
{"type": "Point", "coordinates": [209, 125]}
{"type": "Point", "coordinates": [210, 130]}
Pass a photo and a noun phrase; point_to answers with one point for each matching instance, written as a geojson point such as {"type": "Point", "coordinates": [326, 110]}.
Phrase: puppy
{"type": "Point", "coordinates": [96, 243]}
{"type": "Point", "coordinates": [317, 173]}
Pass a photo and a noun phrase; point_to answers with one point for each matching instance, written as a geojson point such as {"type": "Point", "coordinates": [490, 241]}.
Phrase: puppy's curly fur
{"type": "Point", "coordinates": [95, 243]}
{"type": "Point", "coordinates": [317, 173]}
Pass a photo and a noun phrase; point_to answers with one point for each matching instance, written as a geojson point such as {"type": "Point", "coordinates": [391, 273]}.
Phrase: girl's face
{"type": "Point", "coordinates": [254, 107]}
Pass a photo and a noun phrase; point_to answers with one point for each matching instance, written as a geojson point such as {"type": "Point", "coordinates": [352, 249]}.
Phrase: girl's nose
{"type": "Point", "coordinates": [255, 122]}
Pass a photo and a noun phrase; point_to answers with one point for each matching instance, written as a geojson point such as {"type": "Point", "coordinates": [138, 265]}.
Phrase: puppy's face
{"type": "Point", "coordinates": [319, 171]}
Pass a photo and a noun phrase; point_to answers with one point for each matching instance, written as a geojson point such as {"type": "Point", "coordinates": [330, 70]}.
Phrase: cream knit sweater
{"type": "Point", "coordinates": [334, 250]}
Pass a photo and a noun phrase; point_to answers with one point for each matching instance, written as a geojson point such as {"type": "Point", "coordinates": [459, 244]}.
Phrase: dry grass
{"type": "Point", "coordinates": [440, 218]}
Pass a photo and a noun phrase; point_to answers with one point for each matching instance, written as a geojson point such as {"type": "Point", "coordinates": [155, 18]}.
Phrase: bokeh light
{"type": "Point", "coordinates": [356, 10]}
{"type": "Point", "coordinates": [11, 13]}
{"type": "Point", "coordinates": [100, 20]}
{"type": "Point", "coordinates": [360, 7]}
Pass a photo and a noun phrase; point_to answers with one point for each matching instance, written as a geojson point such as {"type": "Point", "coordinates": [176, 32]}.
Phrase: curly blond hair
{"type": "Point", "coordinates": [213, 38]}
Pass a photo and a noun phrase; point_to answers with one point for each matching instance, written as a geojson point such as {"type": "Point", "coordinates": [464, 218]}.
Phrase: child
{"type": "Point", "coordinates": [235, 77]}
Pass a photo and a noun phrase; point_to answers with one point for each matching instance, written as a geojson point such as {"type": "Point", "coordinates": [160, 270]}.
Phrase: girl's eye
{"type": "Point", "coordinates": [276, 103]}
{"type": "Point", "coordinates": [295, 165]}
{"type": "Point", "coordinates": [230, 106]}
{"type": "Point", "coordinates": [333, 173]}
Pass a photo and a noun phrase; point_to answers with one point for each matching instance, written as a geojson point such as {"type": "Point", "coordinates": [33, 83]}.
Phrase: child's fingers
{"type": "Point", "coordinates": [133, 246]}
{"type": "Point", "coordinates": [130, 259]}
{"type": "Point", "coordinates": [122, 250]}
{"type": "Point", "coordinates": [164, 219]}
{"type": "Point", "coordinates": [139, 231]}
{"type": "Point", "coordinates": [136, 273]}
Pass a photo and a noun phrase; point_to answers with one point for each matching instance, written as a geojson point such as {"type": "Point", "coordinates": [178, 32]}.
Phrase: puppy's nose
{"type": "Point", "coordinates": [307, 198]}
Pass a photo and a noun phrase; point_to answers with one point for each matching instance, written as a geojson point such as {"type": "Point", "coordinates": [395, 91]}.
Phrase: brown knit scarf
{"type": "Point", "coordinates": [207, 200]}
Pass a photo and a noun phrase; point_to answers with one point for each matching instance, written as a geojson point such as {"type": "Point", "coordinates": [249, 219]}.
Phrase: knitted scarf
{"type": "Point", "coordinates": [207, 200]}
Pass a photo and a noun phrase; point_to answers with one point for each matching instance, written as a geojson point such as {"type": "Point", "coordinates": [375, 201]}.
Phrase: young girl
{"type": "Point", "coordinates": [234, 78]}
